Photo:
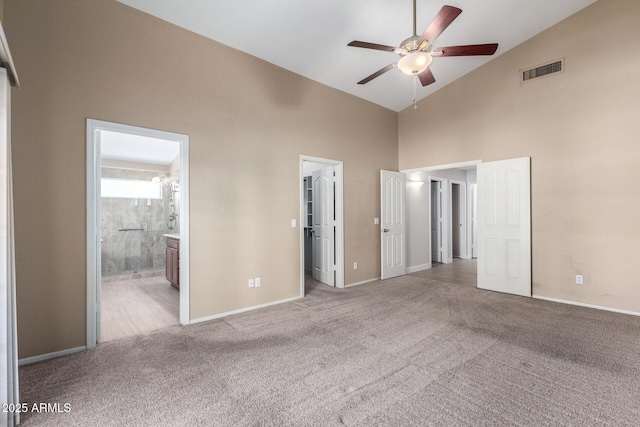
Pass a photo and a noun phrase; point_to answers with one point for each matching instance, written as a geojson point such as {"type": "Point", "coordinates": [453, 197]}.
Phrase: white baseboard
{"type": "Point", "coordinates": [40, 358]}
{"type": "Point", "coordinates": [240, 310]}
{"type": "Point", "coordinates": [361, 283]}
{"type": "Point", "coordinates": [582, 304]}
{"type": "Point", "coordinates": [417, 268]}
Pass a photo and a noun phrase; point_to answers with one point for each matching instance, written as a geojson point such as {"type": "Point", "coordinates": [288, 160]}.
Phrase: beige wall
{"type": "Point", "coordinates": [581, 130]}
{"type": "Point", "coordinates": [248, 122]}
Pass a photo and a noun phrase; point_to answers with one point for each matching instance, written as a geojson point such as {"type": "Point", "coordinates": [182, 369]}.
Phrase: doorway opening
{"type": "Point", "coordinates": [459, 214]}
{"type": "Point", "coordinates": [137, 230]}
{"type": "Point", "coordinates": [489, 203]}
{"type": "Point", "coordinates": [449, 213]}
{"type": "Point", "coordinates": [439, 215]}
{"type": "Point", "coordinates": [455, 220]}
{"type": "Point", "coordinates": [321, 222]}
{"type": "Point", "coordinates": [436, 220]}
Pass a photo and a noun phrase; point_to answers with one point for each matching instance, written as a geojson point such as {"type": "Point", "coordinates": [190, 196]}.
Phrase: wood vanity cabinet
{"type": "Point", "coordinates": [172, 263]}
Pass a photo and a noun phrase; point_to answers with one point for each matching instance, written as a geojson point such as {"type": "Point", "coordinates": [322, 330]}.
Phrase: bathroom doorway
{"type": "Point", "coordinates": [137, 230]}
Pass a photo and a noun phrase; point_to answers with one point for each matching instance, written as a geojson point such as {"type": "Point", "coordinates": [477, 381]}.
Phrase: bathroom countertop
{"type": "Point", "coordinates": [172, 236]}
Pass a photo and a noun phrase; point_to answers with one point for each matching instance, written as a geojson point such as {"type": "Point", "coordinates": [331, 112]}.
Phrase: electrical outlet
{"type": "Point", "coordinates": [251, 283]}
{"type": "Point", "coordinates": [355, 265]}
{"type": "Point", "coordinates": [257, 282]}
{"type": "Point", "coordinates": [579, 279]}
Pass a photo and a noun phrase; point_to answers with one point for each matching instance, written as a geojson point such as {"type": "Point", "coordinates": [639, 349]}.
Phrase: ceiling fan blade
{"type": "Point", "coordinates": [377, 73]}
{"type": "Point", "coordinates": [440, 23]}
{"type": "Point", "coordinates": [376, 46]}
{"type": "Point", "coordinates": [467, 50]}
{"type": "Point", "coordinates": [426, 77]}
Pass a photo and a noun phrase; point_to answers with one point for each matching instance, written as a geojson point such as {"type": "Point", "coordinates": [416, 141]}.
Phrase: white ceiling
{"type": "Point", "coordinates": [136, 148]}
{"type": "Point", "coordinates": [310, 37]}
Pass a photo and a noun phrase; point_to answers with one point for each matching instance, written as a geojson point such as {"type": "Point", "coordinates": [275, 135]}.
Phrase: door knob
{"type": "Point", "coordinates": [386, 230]}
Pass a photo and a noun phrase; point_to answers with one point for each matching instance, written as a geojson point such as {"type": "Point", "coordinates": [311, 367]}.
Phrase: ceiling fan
{"type": "Point", "coordinates": [416, 52]}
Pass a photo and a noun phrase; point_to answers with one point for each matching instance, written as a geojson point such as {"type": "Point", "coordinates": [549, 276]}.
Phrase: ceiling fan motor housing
{"type": "Point", "coordinates": [409, 45]}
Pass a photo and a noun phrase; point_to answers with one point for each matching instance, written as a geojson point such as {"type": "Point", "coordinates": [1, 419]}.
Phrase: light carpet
{"type": "Point", "coordinates": [401, 352]}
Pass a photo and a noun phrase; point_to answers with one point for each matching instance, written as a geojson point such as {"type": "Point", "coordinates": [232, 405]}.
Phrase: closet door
{"type": "Point", "coordinates": [8, 330]}
{"type": "Point", "coordinates": [324, 225]}
{"type": "Point", "coordinates": [392, 218]}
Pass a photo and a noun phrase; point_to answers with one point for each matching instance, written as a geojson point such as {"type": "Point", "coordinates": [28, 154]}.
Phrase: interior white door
{"type": "Point", "coordinates": [504, 226]}
{"type": "Point", "coordinates": [436, 221]}
{"type": "Point", "coordinates": [392, 218]}
{"type": "Point", "coordinates": [323, 219]}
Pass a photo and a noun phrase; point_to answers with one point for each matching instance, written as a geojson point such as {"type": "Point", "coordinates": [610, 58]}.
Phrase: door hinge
{"type": "Point", "coordinates": [335, 268]}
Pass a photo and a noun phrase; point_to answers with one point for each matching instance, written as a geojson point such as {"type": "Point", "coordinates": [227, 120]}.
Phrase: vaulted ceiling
{"type": "Point", "coordinates": [310, 37]}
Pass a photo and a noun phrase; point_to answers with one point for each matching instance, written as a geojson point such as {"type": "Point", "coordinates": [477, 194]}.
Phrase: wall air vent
{"type": "Point", "coordinates": [542, 71]}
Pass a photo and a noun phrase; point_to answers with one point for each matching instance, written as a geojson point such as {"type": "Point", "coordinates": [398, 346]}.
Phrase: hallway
{"type": "Point", "coordinates": [461, 271]}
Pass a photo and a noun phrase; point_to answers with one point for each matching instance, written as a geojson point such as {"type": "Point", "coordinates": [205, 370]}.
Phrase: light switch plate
{"type": "Point", "coordinates": [293, 223]}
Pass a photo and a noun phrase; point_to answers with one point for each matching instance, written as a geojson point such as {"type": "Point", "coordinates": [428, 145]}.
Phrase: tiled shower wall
{"type": "Point", "coordinates": [128, 251]}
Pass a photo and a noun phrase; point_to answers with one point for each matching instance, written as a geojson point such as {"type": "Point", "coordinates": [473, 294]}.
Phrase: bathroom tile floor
{"type": "Point", "coordinates": [137, 306]}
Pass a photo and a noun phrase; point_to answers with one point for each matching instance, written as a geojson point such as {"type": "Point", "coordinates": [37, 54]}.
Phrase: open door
{"type": "Point", "coordinates": [323, 246]}
{"type": "Point", "coordinates": [504, 226]}
{"type": "Point", "coordinates": [436, 221]}
{"type": "Point", "coordinates": [392, 187]}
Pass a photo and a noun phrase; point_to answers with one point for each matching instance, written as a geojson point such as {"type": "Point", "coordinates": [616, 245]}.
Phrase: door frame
{"type": "Point", "coordinates": [94, 164]}
{"type": "Point", "coordinates": [339, 206]}
{"type": "Point", "coordinates": [472, 218]}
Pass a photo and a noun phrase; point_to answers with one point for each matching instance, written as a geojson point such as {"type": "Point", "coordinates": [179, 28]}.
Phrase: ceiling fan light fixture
{"type": "Point", "coordinates": [414, 63]}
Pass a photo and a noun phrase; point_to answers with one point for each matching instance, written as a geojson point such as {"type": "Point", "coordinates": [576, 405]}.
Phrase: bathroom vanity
{"type": "Point", "coordinates": [172, 262]}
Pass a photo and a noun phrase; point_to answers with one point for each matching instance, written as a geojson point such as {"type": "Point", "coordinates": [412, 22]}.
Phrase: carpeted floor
{"type": "Point", "coordinates": [401, 352]}
{"type": "Point", "coordinates": [460, 272]}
